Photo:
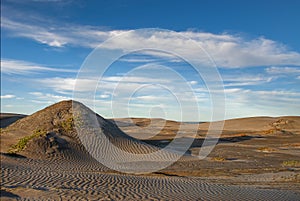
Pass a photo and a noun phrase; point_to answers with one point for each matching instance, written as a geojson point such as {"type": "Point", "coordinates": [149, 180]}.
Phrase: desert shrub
{"type": "Point", "coordinates": [23, 141]}
{"type": "Point", "coordinates": [291, 163]}
{"type": "Point", "coordinates": [68, 124]}
{"type": "Point", "coordinates": [218, 158]}
{"type": "Point", "coordinates": [265, 149]}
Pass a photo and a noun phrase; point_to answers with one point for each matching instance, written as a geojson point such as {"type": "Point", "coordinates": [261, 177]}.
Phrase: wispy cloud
{"type": "Point", "coordinates": [246, 102]}
{"type": "Point", "coordinates": [283, 70]}
{"type": "Point", "coordinates": [8, 96]}
{"type": "Point", "coordinates": [242, 102]}
{"type": "Point", "coordinates": [57, 35]}
{"type": "Point", "coordinates": [255, 52]}
{"type": "Point", "coordinates": [10, 66]}
{"type": "Point", "coordinates": [246, 80]}
{"type": "Point", "coordinates": [46, 98]}
{"type": "Point", "coordinates": [66, 85]}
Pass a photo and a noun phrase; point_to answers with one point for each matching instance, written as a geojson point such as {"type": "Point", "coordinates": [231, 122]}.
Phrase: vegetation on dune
{"type": "Point", "coordinates": [291, 163]}
{"type": "Point", "coordinates": [23, 141]}
{"type": "Point", "coordinates": [265, 149]}
{"type": "Point", "coordinates": [67, 125]}
{"type": "Point", "coordinates": [218, 158]}
{"type": "Point", "coordinates": [4, 130]}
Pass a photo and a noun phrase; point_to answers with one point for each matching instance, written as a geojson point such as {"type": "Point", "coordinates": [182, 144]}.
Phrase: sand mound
{"type": "Point", "coordinates": [44, 132]}
{"type": "Point", "coordinates": [51, 133]}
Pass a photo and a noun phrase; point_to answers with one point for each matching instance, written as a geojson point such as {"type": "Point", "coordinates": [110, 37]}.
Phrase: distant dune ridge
{"type": "Point", "coordinates": [9, 118]}
{"type": "Point", "coordinates": [260, 123]}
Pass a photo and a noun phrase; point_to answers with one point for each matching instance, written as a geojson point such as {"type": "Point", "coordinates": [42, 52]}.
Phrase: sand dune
{"type": "Point", "coordinates": [56, 124]}
{"type": "Point", "coordinates": [53, 134]}
{"type": "Point", "coordinates": [53, 164]}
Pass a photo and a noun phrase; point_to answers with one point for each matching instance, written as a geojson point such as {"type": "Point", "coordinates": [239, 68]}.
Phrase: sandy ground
{"type": "Point", "coordinates": [255, 159]}
{"type": "Point", "coordinates": [63, 180]}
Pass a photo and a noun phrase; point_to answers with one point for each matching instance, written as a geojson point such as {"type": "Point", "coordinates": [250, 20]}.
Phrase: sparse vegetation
{"type": "Point", "coordinates": [68, 124]}
{"type": "Point", "coordinates": [291, 163]}
{"type": "Point", "coordinates": [265, 149]}
{"type": "Point", "coordinates": [23, 141]}
{"type": "Point", "coordinates": [4, 130]}
{"type": "Point", "coordinates": [218, 158]}
{"type": "Point", "coordinates": [78, 121]}
{"type": "Point", "coordinates": [270, 131]}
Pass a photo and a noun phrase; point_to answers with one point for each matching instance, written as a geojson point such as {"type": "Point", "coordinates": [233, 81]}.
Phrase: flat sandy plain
{"type": "Point", "coordinates": [256, 158]}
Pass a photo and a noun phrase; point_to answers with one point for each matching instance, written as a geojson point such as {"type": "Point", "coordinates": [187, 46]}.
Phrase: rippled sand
{"type": "Point", "coordinates": [69, 180]}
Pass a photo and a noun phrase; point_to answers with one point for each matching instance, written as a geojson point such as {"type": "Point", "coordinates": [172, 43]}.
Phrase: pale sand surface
{"type": "Point", "coordinates": [248, 163]}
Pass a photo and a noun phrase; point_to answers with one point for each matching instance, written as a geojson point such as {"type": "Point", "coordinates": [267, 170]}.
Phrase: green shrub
{"type": "Point", "coordinates": [23, 141]}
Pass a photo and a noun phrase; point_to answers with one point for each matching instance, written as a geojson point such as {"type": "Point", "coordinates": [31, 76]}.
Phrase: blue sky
{"type": "Point", "coordinates": [254, 45]}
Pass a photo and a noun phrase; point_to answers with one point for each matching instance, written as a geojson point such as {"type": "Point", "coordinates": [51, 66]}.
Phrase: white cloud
{"type": "Point", "coordinates": [11, 66]}
{"type": "Point", "coordinates": [46, 98]}
{"type": "Point", "coordinates": [8, 96]}
{"type": "Point", "coordinates": [283, 70]}
{"type": "Point", "coordinates": [227, 50]}
{"type": "Point", "coordinates": [66, 85]}
{"type": "Point", "coordinates": [245, 102]}
{"type": "Point", "coordinates": [35, 32]}
{"type": "Point", "coordinates": [193, 82]}
{"type": "Point", "coordinates": [122, 90]}
{"type": "Point", "coordinates": [232, 90]}
{"type": "Point", "coordinates": [245, 80]}
{"type": "Point", "coordinates": [57, 35]}
{"type": "Point", "coordinates": [104, 96]}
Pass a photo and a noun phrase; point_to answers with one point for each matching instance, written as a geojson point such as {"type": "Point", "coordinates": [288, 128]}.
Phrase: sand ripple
{"type": "Point", "coordinates": [40, 180]}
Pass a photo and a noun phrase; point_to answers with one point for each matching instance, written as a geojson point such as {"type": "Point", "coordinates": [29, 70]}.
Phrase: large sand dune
{"type": "Point", "coordinates": [56, 125]}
